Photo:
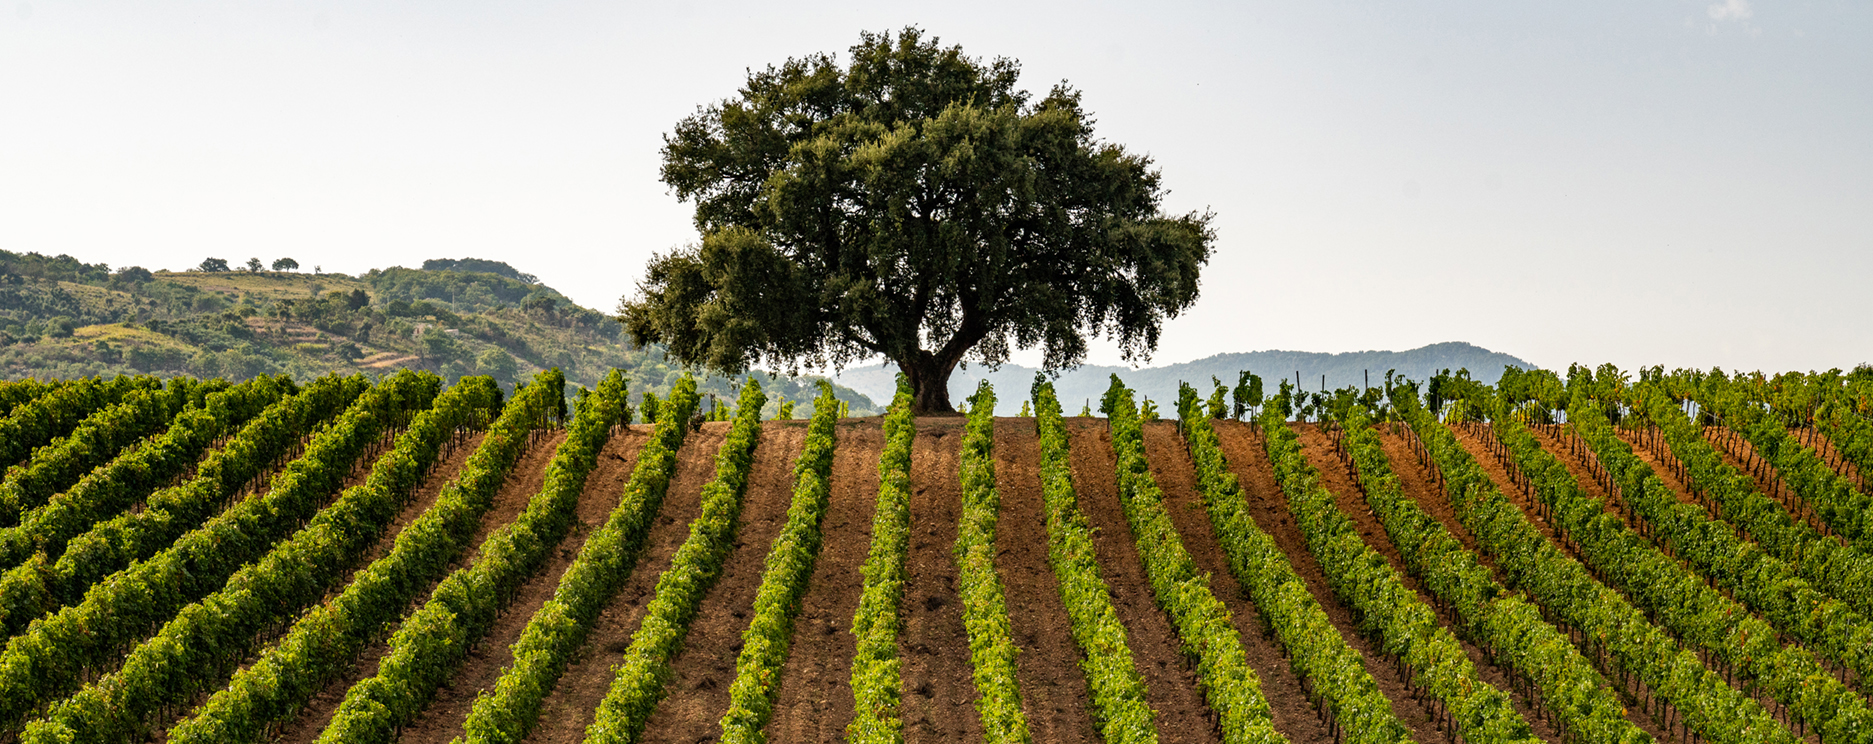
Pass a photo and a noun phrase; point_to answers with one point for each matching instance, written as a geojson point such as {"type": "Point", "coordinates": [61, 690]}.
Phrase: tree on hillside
{"type": "Point", "coordinates": [213, 265]}
{"type": "Point", "coordinates": [913, 205]}
{"type": "Point", "coordinates": [253, 265]}
{"type": "Point", "coordinates": [285, 264]}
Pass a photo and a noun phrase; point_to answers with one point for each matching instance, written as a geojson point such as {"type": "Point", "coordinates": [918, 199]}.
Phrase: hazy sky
{"type": "Point", "coordinates": [1684, 183]}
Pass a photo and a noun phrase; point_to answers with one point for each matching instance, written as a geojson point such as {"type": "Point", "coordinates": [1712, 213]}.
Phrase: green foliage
{"type": "Point", "coordinates": [984, 604]}
{"type": "Point", "coordinates": [1684, 600]}
{"type": "Point", "coordinates": [466, 290]}
{"type": "Point", "coordinates": [558, 629]}
{"type": "Point", "coordinates": [482, 265]}
{"type": "Point", "coordinates": [53, 655]}
{"type": "Point", "coordinates": [985, 221]}
{"type": "Point", "coordinates": [498, 364]}
{"type": "Point", "coordinates": [60, 268]}
{"type": "Point", "coordinates": [1119, 710]}
{"type": "Point", "coordinates": [1392, 612]}
{"type": "Point", "coordinates": [1247, 393]}
{"type": "Point", "coordinates": [1633, 644]}
{"type": "Point", "coordinates": [1232, 689]}
{"type": "Point", "coordinates": [1316, 650]}
{"type": "Point", "coordinates": [784, 582]}
{"type": "Point", "coordinates": [206, 640]}
{"type": "Point", "coordinates": [877, 672]}
{"type": "Point", "coordinates": [56, 414]}
{"type": "Point", "coordinates": [435, 639]}
{"type": "Point", "coordinates": [1505, 625]}
{"type": "Point", "coordinates": [140, 466]}
{"type": "Point", "coordinates": [117, 542]}
{"type": "Point", "coordinates": [324, 643]}
{"type": "Point", "coordinates": [134, 408]}
{"type": "Point", "coordinates": [1837, 568]}
{"type": "Point", "coordinates": [16, 393]}
{"type": "Point", "coordinates": [639, 680]}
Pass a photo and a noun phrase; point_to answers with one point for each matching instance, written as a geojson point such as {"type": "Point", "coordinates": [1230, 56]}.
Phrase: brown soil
{"type": "Point", "coordinates": [1500, 476]}
{"type": "Point", "coordinates": [573, 702]}
{"type": "Point", "coordinates": [442, 720]}
{"type": "Point", "coordinates": [1768, 480]}
{"type": "Point", "coordinates": [529, 472]}
{"type": "Point", "coordinates": [1416, 478]}
{"type": "Point", "coordinates": [1269, 507]}
{"type": "Point", "coordinates": [1293, 715]}
{"type": "Point", "coordinates": [1170, 680]}
{"type": "Point", "coordinates": [1664, 464]}
{"type": "Point", "coordinates": [939, 695]}
{"type": "Point", "coordinates": [1825, 448]}
{"type": "Point", "coordinates": [1053, 691]}
{"type": "Point", "coordinates": [1339, 479]}
{"type": "Point", "coordinates": [1740, 454]}
{"type": "Point", "coordinates": [814, 699]}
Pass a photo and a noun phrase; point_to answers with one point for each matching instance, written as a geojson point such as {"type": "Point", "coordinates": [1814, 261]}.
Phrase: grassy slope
{"type": "Point", "coordinates": [238, 324]}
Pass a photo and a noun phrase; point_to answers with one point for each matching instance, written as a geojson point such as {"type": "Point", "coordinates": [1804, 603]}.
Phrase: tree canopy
{"type": "Point", "coordinates": [913, 204]}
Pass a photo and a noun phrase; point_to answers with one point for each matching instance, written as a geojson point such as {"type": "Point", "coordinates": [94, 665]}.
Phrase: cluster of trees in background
{"type": "Point", "coordinates": [218, 265]}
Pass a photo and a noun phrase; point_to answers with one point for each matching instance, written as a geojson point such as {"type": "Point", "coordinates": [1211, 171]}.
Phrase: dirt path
{"type": "Point", "coordinates": [442, 720]}
{"type": "Point", "coordinates": [814, 700]}
{"type": "Point", "coordinates": [1339, 479]}
{"type": "Point", "coordinates": [573, 701]}
{"type": "Point", "coordinates": [521, 484]}
{"type": "Point", "coordinates": [1269, 506]}
{"type": "Point", "coordinates": [1294, 716]}
{"type": "Point", "coordinates": [1664, 464]}
{"type": "Point", "coordinates": [1170, 682]}
{"type": "Point", "coordinates": [1053, 691]}
{"type": "Point", "coordinates": [939, 691]}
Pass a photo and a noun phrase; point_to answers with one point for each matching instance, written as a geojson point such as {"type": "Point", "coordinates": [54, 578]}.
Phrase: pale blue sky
{"type": "Point", "coordinates": [1675, 182]}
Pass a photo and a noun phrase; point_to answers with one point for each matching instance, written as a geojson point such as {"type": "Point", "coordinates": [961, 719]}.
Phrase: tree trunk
{"type": "Point", "coordinates": [930, 383]}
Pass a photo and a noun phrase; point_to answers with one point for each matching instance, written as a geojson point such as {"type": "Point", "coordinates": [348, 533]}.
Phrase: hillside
{"type": "Point", "coordinates": [61, 318]}
{"type": "Point", "coordinates": [1160, 383]}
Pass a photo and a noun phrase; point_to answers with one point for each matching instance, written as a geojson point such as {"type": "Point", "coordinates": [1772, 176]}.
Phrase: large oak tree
{"type": "Point", "coordinates": [914, 205]}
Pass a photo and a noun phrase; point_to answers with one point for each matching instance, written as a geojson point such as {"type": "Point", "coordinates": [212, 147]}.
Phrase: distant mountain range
{"type": "Point", "coordinates": [1085, 384]}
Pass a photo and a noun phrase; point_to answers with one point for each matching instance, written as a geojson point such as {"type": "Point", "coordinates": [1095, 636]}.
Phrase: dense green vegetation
{"type": "Point", "coordinates": [64, 319]}
{"type": "Point", "coordinates": [190, 549]}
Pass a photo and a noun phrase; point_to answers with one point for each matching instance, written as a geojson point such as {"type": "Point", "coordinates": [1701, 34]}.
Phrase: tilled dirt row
{"type": "Point", "coordinates": [814, 699]}
{"type": "Point", "coordinates": [573, 703]}
{"type": "Point", "coordinates": [939, 691]}
{"type": "Point", "coordinates": [442, 720]}
{"type": "Point", "coordinates": [1053, 691]}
